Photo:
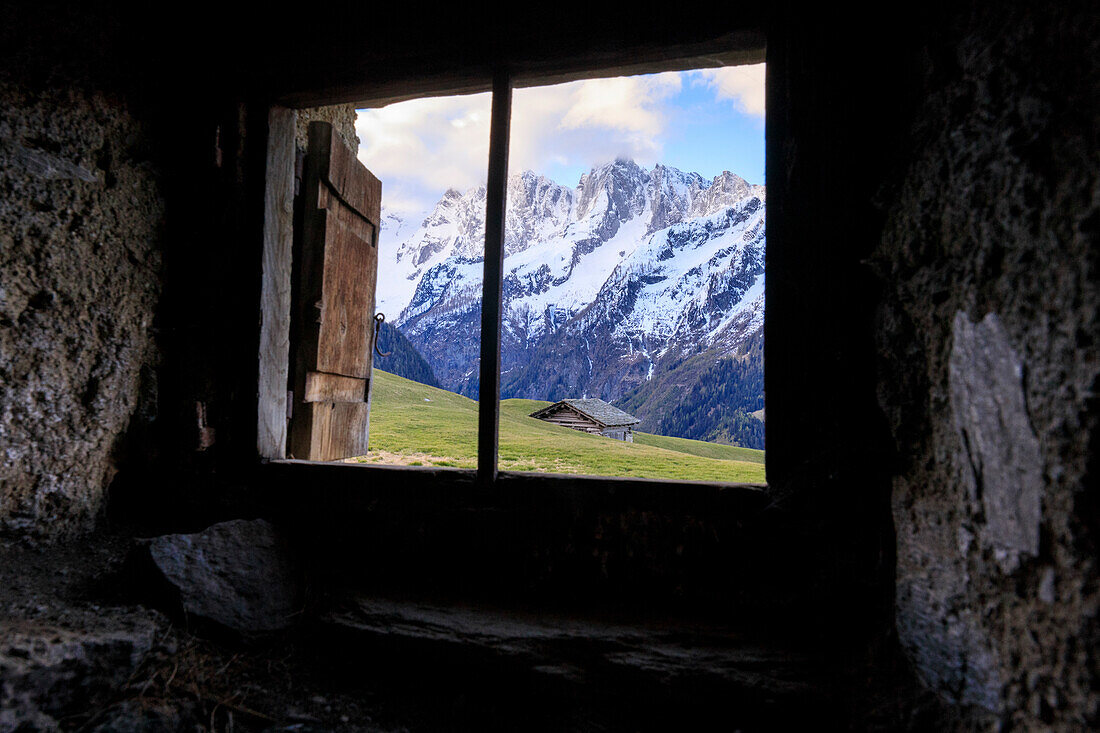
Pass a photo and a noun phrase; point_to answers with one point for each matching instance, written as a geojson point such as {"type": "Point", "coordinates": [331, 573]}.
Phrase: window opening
{"type": "Point", "coordinates": [632, 334]}
{"type": "Point", "coordinates": [631, 298]}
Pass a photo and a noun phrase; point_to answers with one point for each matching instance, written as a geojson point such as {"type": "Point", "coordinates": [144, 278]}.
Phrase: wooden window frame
{"type": "Point", "coordinates": [277, 258]}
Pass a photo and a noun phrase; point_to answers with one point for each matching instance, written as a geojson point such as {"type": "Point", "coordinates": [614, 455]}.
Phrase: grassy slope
{"type": "Point", "coordinates": [443, 431]}
{"type": "Point", "coordinates": [701, 448]}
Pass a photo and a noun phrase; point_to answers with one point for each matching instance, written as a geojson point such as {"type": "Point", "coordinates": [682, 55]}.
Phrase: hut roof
{"type": "Point", "coordinates": [603, 413]}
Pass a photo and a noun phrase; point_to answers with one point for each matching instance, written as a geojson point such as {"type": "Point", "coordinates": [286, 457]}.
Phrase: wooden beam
{"type": "Point", "coordinates": [275, 289]}
{"type": "Point", "coordinates": [496, 190]}
{"type": "Point", "coordinates": [426, 75]}
{"type": "Point", "coordinates": [363, 484]}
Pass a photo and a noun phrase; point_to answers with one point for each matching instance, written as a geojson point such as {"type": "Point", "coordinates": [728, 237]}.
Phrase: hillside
{"type": "Point", "coordinates": [401, 357]}
{"type": "Point", "coordinates": [415, 424]}
{"type": "Point", "coordinates": [705, 396]}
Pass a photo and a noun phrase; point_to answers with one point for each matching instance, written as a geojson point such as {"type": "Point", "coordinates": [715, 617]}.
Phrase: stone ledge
{"type": "Point", "coordinates": [646, 671]}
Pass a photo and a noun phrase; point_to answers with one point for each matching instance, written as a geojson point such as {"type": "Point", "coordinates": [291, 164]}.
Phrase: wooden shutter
{"type": "Point", "coordinates": [335, 272]}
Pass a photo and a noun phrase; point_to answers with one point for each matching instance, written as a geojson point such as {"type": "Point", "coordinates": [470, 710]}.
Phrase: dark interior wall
{"type": "Point", "coordinates": [945, 167]}
{"type": "Point", "coordinates": [81, 219]}
{"type": "Point", "coordinates": [834, 134]}
{"type": "Point", "coordinates": [989, 363]}
{"type": "Point", "coordinates": [125, 293]}
{"type": "Point", "coordinates": [932, 228]}
{"type": "Point", "coordinates": [543, 541]}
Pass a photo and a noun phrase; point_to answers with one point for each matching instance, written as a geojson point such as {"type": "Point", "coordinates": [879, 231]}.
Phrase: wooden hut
{"type": "Point", "coordinates": [592, 416]}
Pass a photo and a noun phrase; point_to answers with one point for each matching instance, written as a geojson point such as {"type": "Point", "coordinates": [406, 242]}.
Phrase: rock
{"type": "Point", "coordinates": [239, 574]}
{"type": "Point", "coordinates": [49, 673]}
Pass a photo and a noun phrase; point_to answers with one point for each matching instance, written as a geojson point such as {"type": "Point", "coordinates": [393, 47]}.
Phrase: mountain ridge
{"type": "Point", "coordinates": [600, 280]}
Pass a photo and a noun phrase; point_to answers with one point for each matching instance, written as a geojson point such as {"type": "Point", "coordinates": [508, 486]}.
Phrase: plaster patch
{"type": "Point", "coordinates": [999, 451]}
{"type": "Point", "coordinates": [42, 164]}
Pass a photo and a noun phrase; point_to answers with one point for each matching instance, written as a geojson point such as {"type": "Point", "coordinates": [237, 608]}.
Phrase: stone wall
{"type": "Point", "coordinates": [115, 202]}
{"type": "Point", "coordinates": [990, 366]}
{"type": "Point", "coordinates": [80, 220]}
{"type": "Point", "coordinates": [342, 117]}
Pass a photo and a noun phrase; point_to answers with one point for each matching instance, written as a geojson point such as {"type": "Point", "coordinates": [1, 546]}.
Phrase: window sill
{"type": "Point", "coordinates": [465, 475]}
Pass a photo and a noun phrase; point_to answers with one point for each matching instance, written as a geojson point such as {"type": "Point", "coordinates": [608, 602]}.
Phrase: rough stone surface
{"type": "Point", "coordinates": [48, 673]}
{"type": "Point", "coordinates": [342, 117]}
{"type": "Point", "coordinates": [76, 653]}
{"type": "Point", "coordinates": [564, 645]}
{"type": "Point", "coordinates": [80, 219]}
{"type": "Point", "coordinates": [239, 574]}
{"type": "Point", "coordinates": [66, 645]}
{"type": "Point", "coordinates": [687, 667]}
{"type": "Point", "coordinates": [989, 365]}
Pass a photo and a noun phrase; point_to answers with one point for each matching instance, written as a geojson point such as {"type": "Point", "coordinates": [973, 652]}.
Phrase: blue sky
{"type": "Point", "coordinates": [705, 121]}
{"type": "Point", "coordinates": [703, 134]}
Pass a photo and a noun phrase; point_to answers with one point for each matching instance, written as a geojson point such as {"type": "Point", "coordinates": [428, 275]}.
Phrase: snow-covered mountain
{"type": "Point", "coordinates": [600, 280]}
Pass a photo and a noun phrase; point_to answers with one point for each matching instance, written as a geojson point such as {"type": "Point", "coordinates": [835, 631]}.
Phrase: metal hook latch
{"type": "Point", "coordinates": [379, 319]}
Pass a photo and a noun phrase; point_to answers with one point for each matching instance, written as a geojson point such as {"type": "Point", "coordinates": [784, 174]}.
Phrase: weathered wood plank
{"type": "Point", "coordinates": [321, 387]}
{"type": "Point", "coordinates": [275, 304]}
{"type": "Point", "coordinates": [356, 185]}
{"type": "Point", "coordinates": [336, 430]}
{"type": "Point", "coordinates": [431, 78]}
{"type": "Point", "coordinates": [569, 420]}
{"type": "Point", "coordinates": [346, 319]}
{"type": "Point", "coordinates": [334, 328]}
{"type": "Point", "coordinates": [576, 425]}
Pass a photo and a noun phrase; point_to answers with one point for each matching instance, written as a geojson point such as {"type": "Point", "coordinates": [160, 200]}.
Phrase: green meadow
{"type": "Point", "coordinates": [413, 424]}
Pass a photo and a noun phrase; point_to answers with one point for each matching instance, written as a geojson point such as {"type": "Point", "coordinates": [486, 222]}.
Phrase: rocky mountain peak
{"type": "Point", "coordinates": [537, 206]}
{"type": "Point", "coordinates": [601, 280]}
{"type": "Point", "coordinates": [529, 191]}
{"type": "Point", "coordinates": [670, 193]}
{"type": "Point", "coordinates": [609, 195]}
{"type": "Point", "coordinates": [725, 190]}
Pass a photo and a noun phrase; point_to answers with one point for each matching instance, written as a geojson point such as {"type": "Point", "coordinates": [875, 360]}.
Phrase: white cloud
{"type": "Point", "coordinates": [625, 103]}
{"type": "Point", "coordinates": [744, 85]}
{"type": "Point", "coordinates": [421, 147]}
{"type": "Point", "coordinates": [590, 122]}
